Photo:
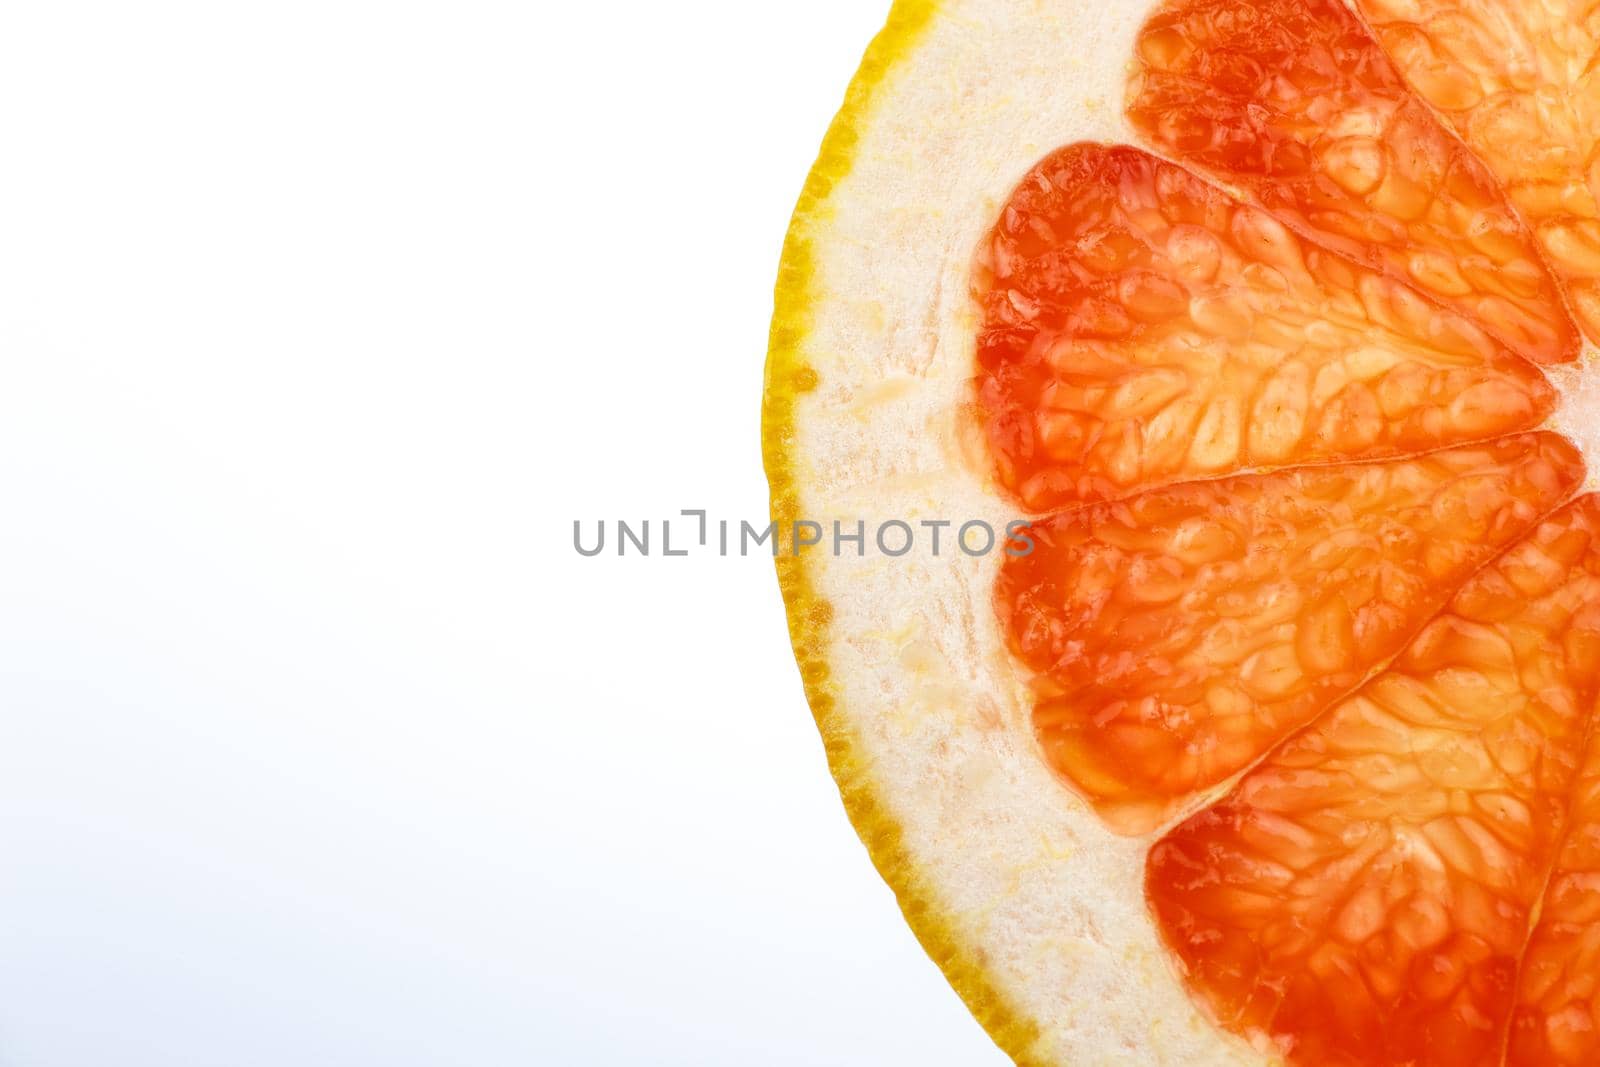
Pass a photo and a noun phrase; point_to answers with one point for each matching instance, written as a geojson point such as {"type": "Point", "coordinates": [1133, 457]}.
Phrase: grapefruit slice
{"type": "Point", "coordinates": [1278, 746]}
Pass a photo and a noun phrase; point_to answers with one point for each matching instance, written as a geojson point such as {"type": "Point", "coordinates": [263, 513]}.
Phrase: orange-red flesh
{"type": "Point", "coordinates": [1296, 546]}
{"type": "Point", "coordinates": [1557, 1019]}
{"type": "Point", "coordinates": [1176, 636]}
{"type": "Point", "coordinates": [1518, 81]}
{"type": "Point", "coordinates": [1142, 327]}
{"type": "Point", "coordinates": [1365, 895]}
{"type": "Point", "coordinates": [1294, 102]}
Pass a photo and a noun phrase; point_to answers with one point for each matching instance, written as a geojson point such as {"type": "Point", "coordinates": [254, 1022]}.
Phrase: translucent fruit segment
{"type": "Point", "coordinates": [1178, 635]}
{"type": "Point", "coordinates": [1557, 1021]}
{"type": "Point", "coordinates": [1141, 327]}
{"type": "Point", "coordinates": [1518, 81]}
{"type": "Point", "coordinates": [1363, 897]}
{"type": "Point", "coordinates": [1294, 102]}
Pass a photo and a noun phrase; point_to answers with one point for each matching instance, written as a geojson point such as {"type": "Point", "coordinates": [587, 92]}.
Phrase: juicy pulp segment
{"type": "Point", "coordinates": [1174, 637]}
{"type": "Point", "coordinates": [1519, 82]}
{"type": "Point", "coordinates": [1141, 327]}
{"type": "Point", "coordinates": [1557, 1020]}
{"type": "Point", "coordinates": [1293, 101]}
{"type": "Point", "coordinates": [1364, 896]}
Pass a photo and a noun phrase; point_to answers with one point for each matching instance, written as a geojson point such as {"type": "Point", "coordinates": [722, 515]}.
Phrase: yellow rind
{"type": "Point", "coordinates": [789, 377]}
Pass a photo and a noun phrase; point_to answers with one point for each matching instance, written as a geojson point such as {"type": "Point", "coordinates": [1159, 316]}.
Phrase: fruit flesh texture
{"type": "Point", "coordinates": [1412, 877]}
{"type": "Point", "coordinates": [1557, 1018]}
{"type": "Point", "coordinates": [1518, 82]}
{"type": "Point", "coordinates": [1295, 103]}
{"type": "Point", "coordinates": [1176, 636]}
{"type": "Point", "coordinates": [1142, 327]}
{"type": "Point", "coordinates": [1366, 893]}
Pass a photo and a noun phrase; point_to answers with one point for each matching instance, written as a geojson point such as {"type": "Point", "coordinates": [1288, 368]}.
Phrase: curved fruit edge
{"type": "Point", "coordinates": [788, 377]}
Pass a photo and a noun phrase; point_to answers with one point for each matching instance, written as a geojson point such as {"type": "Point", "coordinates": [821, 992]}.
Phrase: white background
{"type": "Point", "coordinates": [319, 324]}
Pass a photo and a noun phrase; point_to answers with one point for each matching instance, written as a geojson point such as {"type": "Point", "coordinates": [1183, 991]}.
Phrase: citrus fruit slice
{"type": "Point", "coordinates": [1275, 744]}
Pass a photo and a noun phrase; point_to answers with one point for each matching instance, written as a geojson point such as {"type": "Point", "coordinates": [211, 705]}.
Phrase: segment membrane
{"type": "Point", "coordinates": [1364, 895]}
{"type": "Point", "coordinates": [1293, 102]}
